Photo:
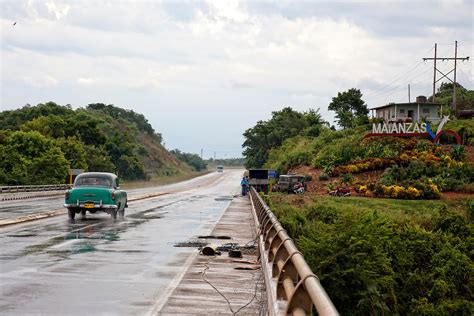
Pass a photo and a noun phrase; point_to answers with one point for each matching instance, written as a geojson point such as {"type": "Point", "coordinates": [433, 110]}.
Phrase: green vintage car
{"type": "Point", "coordinates": [94, 192]}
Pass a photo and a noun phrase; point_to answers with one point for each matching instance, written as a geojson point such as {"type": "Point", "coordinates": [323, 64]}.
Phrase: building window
{"type": "Point", "coordinates": [426, 111]}
{"type": "Point", "coordinates": [402, 111]}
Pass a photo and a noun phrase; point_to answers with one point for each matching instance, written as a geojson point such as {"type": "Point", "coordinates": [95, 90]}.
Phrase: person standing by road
{"type": "Point", "coordinates": [245, 184]}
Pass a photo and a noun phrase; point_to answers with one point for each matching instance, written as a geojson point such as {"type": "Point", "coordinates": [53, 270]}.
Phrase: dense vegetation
{"type": "Point", "coordinates": [399, 256]}
{"type": "Point", "coordinates": [38, 144]}
{"type": "Point", "coordinates": [284, 124]}
{"type": "Point", "coordinates": [386, 257]}
{"type": "Point", "coordinates": [464, 97]}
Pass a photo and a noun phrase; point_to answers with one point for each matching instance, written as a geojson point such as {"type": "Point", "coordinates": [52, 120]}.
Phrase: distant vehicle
{"type": "Point", "coordinates": [96, 191]}
{"type": "Point", "coordinates": [260, 179]}
{"type": "Point", "coordinates": [220, 168]}
{"type": "Point", "coordinates": [291, 183]}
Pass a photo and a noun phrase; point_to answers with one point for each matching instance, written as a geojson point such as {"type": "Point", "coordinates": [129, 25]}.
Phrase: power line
{"type": "Point", "coordinates": [445, 75]}
{"type": "Point", "coordinates": [399, 76]}
{"type": "Point", "coordinates": [394, 88]}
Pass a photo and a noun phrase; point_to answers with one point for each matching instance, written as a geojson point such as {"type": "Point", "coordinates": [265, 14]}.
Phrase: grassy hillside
{"type": "Point", "coordinates": [404, 168]}
{"type": "Point", "coordinates": [39, 143]}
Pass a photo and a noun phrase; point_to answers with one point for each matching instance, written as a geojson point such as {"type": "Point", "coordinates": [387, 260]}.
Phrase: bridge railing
{"type": "Point", "coordinates": [33, 188]}
{"type": "Point", "coordinates": [295, 282]}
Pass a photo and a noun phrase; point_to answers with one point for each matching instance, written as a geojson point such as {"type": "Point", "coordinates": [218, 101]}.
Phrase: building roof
{"type": "Point", "coordinates": [405, 104]}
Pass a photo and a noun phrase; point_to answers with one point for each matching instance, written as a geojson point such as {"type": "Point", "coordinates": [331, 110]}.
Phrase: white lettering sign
{"type": "Point", "coordinates": [398, 128]}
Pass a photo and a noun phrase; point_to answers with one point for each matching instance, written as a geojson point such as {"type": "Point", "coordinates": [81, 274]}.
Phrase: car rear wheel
{"type": "Point", "coordinates": [71, 213]}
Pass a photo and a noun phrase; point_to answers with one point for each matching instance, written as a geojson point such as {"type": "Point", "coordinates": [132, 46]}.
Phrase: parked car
{"type": "Point", "coordinates": [291, 183]}
{"type": "Point", "coordinates": [96, 192]}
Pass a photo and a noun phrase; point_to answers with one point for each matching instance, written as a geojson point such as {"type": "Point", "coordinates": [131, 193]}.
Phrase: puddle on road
{"type": "Point", "coordinates": [23, 235]}
{"type": "Point", "coordinates": [83, 248]}
{"type": "Point", "coordinates": [191, 244]}
{"type": "Point", "coordinates": [87, 232]}
{"type": "Point", "coordinates": [224, 198]}
{"type": "Point", "coordinates": [152, 213]}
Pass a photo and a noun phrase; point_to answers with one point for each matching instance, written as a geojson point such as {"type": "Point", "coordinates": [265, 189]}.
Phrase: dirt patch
{"type": "Point", "coordinates": [469, 153]}
{"type": "Point", "coordinates": [456, 196]}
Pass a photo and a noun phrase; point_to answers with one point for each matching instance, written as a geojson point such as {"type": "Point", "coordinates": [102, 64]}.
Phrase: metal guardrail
{"type": "Point", "coordinates": [295, 282]}
{"type": "Point", "coordinates": [33, 188]}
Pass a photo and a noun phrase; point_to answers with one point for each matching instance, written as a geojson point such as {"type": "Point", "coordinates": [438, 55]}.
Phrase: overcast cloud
{"type": "Point", "coordinates": [204, 71]}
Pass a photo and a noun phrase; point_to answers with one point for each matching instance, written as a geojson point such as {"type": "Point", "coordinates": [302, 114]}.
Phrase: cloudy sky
{"type": "Point", "coordinates": [204, 71]}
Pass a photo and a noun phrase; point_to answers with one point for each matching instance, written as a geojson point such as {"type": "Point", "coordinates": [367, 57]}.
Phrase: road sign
{"type": "Point", "coordinates": [76, 172]}
{"type": "Point", "coordinates": [272, 174]}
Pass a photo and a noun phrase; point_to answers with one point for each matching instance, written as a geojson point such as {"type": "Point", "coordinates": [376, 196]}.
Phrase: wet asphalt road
{"type": "Point", "coordinates": [101, 266]}
{"type": "Point", "coordinates": [16, 208]}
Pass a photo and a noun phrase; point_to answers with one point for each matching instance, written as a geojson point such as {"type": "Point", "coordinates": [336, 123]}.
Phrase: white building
{"type": "Point", "coordinates": [409, 112]}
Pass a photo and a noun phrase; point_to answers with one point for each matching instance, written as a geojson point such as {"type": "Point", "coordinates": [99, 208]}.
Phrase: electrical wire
{"type": "Point", "coordinates": [221, 294]}
{"type": "Point", "coordinates": [399, 76]}
{"type": "Point", "coordinates": [395, 88]}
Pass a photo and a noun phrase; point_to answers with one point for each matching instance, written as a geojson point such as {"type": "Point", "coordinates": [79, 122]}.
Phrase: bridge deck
{"type": "Point", "coordinates": [228, 290]}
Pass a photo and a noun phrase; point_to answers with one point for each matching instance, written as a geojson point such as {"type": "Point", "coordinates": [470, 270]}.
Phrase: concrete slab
{"type": "Point", "coordinates": [212, 285]}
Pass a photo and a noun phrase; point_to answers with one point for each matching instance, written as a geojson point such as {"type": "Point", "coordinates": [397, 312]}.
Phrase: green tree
{"type": "Point", "coordinates": [284, 124]}
{"type": "Point", "coordinates": [98, 159]}
{"type": "Point", "coordinates": [50, 126]}
{"type": "Point", "coordinates": [31, 158]}
{"type": "Point", "coordinates": [464, 97]}
{"type": "Point", "coordinates": [74, 152]}
{"type": "Point", "coordinates": [350, 109]}
{"type": "Point", "coordinates": [192, 160]}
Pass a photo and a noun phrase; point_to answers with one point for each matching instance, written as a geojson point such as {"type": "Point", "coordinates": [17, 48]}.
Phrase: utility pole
{"type": "Point", "coordinates": [409, 99]}
{"type": "Point", "coordinates": [434, 72]}
{"type": "Point", "coordinates": [454, 84]}
{"type": "Point", "coordinates": [456, 58]}
{"type": "Point", "coordinates": [201, 160]}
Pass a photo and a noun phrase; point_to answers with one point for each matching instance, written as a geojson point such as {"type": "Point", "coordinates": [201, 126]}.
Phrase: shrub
{"type": "Point", "coordinates": [418, 191]}
{"type": "Point", "coordinates": [330, 186]}
{"type": "Point", "coordinates": [457, 153]}
{"type": "Point", "coordinates": [326, 214]}
{"type": "Point", "coordinates": [465, 188]}
{"type": "Point", "coordinates": [323, 176]}
{"type": "Point", "coordinates": [347, 178]}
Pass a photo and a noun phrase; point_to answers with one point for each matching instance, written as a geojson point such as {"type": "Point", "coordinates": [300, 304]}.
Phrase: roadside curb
{"type": "Point", "coordinates": [33, 217]}
{"type": "Point", "coordinates": [22, 196]}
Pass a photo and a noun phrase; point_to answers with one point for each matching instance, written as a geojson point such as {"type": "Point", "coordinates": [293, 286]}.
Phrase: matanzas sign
{"type": "Point", "coordinates": [413, 130]}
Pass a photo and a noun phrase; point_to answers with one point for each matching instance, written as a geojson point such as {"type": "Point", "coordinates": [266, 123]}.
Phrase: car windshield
{"type": "Point", "coordinates": [93, 181]}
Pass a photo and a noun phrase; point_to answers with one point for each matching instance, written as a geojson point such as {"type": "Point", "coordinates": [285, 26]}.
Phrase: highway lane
{"type": "Point", "coordinates": [98, 265]}
{"type": "Point", "coordinates": [16, 208]}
